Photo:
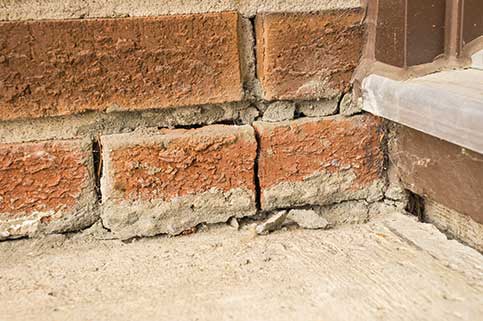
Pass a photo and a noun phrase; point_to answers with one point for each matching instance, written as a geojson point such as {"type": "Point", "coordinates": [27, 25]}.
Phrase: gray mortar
{"type": "Point", "coordinates": [93, 124]}
{"type": "Point", "coordinates": [69, 9]}
{"type": "Point", "coordinates": [321, 108]}
{"type": "Point", "coordinates": [320, 189]}
{"type": "Point", "coordinates": [308, 219]}
{"type": "Point", "coordinates": [345, 213]}
{"type": "Point", "coordinates": [131, 219]}
{"type": "Point", "coordinates": [83, 215]}
{"type": "Point", "coordinates": [350, 105]}
{"type": "Point", "coordinates": [251, 85]}
{"type": "Point", "coordinates": [279, 111]}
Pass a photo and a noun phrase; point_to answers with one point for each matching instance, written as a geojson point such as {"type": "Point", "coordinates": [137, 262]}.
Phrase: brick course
{"type": "Point", "coordinates": [45, 183]}
{"type": "Point", "coordinates": [308, 56]}
{"type": "Point", "coordinates": [61, 67]}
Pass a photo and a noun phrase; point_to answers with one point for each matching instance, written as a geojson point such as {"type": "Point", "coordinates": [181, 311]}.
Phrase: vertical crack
{"type": "Point", "coordinates": [97, 157]}
{"type": "Point", "coordinates": [256, 176]}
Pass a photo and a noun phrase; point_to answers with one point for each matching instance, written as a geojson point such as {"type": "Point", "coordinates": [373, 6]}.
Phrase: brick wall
{"type": "Point", "coordinates": [180, 115]}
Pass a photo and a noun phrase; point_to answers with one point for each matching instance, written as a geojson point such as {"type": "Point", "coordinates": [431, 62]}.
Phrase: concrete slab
{"type": "Point", "coordinates": [447, 105]}
{"type": "Point", "coordinates": [392, 268]}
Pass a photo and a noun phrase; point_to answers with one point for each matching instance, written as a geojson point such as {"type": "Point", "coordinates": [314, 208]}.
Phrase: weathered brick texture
{"type": "Point", "coordinates": [308, 56]}
{"type": "Point", "coordinates": [51, 68]}
{"type": "Point", "coordinates": [170, 180]}
{"type": "Point", "coordinates": [45, 187]}
{"type": "Point", "coordinates": [320, 161]}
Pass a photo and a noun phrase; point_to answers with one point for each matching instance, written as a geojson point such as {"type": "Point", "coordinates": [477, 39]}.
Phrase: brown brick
{"type": "Point", "coordinates": [50, 68]}
{"type": "Point", "coordinates": [308, 56]}
{"type": "Point", "coordinates": [172, 180]}
{"type": "Point", "coordinates": [441, 171]}
{"type": "Point", "coordinates": [46, 183]}
{"type": "Point", "coordinates": [319, 161]}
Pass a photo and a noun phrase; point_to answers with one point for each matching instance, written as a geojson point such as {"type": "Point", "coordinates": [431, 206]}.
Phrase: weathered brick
{"type": "Point", "coordinates": [46, 187]}
{"type": "Point", "coordinates": [166, 181]}
{"type": "Point", "coordinates": [320, 161]}
{"type": "Point", "coordinates": [51, 68]}
{"type": "Point", "coordinates": [308, 56]}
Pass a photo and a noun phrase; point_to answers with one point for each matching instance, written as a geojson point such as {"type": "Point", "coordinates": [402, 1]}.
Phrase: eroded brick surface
{"type": "Point", "coordinates": [45, 183]}
{"type": "Point", "coordinates": [308, 56]}
{"type": "Point", "coordinates": [318, 161]}
{"type": "Point", "coordinates": [184, 176]}
{"type": "Point", "coordinates": [50, 68]}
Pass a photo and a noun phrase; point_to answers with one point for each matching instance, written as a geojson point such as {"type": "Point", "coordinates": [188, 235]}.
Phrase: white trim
{"type": "Point", "coordinates": [447, 105]}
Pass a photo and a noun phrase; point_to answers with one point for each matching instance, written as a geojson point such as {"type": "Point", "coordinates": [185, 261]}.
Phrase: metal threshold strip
{"type": "Point", "coordinates": [447, 105]}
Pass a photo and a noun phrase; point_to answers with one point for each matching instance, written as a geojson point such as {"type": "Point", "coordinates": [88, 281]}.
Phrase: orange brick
{"type": "Point", "coordinates": [172, 180]}
{"type": "Point", "coordinates": [51, 68]}
{"type": "Point", "coordinates": [308, 56]}
{"type": "Point", "coordinates": [320, 161]}
{"type": "Point", "coordinates": [46, 183]}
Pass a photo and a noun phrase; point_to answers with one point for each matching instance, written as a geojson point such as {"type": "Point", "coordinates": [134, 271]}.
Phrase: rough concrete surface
{"type": "Point", "coordinates": [308, 219]}
{"type": "Point", "coordinates": [392, 268]}
{"type": "Point", "coordinates": [67, 9]}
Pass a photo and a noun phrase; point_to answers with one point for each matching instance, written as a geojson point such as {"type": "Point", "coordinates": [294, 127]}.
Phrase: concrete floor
{"type": "Point", "coordinates": [392, 268]}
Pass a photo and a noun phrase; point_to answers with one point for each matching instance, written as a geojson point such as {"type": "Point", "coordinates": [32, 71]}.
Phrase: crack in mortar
{"type": "Point", "coordinates": [256, 176]}
{"type": "Point", "coordinates": [97, 158]}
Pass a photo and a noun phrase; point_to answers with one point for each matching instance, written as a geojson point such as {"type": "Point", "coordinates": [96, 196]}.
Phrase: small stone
{"type": "Point", "coordinates": [275, 222]}
{"type": "Point", "coordinates": [279, 111]}
{"type": "Point", "coordinates": [233, 222]}
{"type": "Point", "coordinates": [308, 219]}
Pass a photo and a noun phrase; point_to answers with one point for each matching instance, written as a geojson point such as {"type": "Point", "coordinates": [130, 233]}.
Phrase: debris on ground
{"type": "Point", "coordinates": [275, 222]}
{"type": "Point", "coordinates": [233, 222]}
{"type": "Point", "coordinates": [308, 219]}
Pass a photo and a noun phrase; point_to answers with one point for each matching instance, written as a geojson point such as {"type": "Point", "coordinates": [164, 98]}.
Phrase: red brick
{"type": "Point", "coordinates": [45, 182]}
{"type": "Point", "coordinates": [319, 161]}
{"type": "Point", "coordinates": [51, 68]}
{"type": "Point", "coordinates": [308, 56]}
{"type": "Point", "coordinates": [178, 178]}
